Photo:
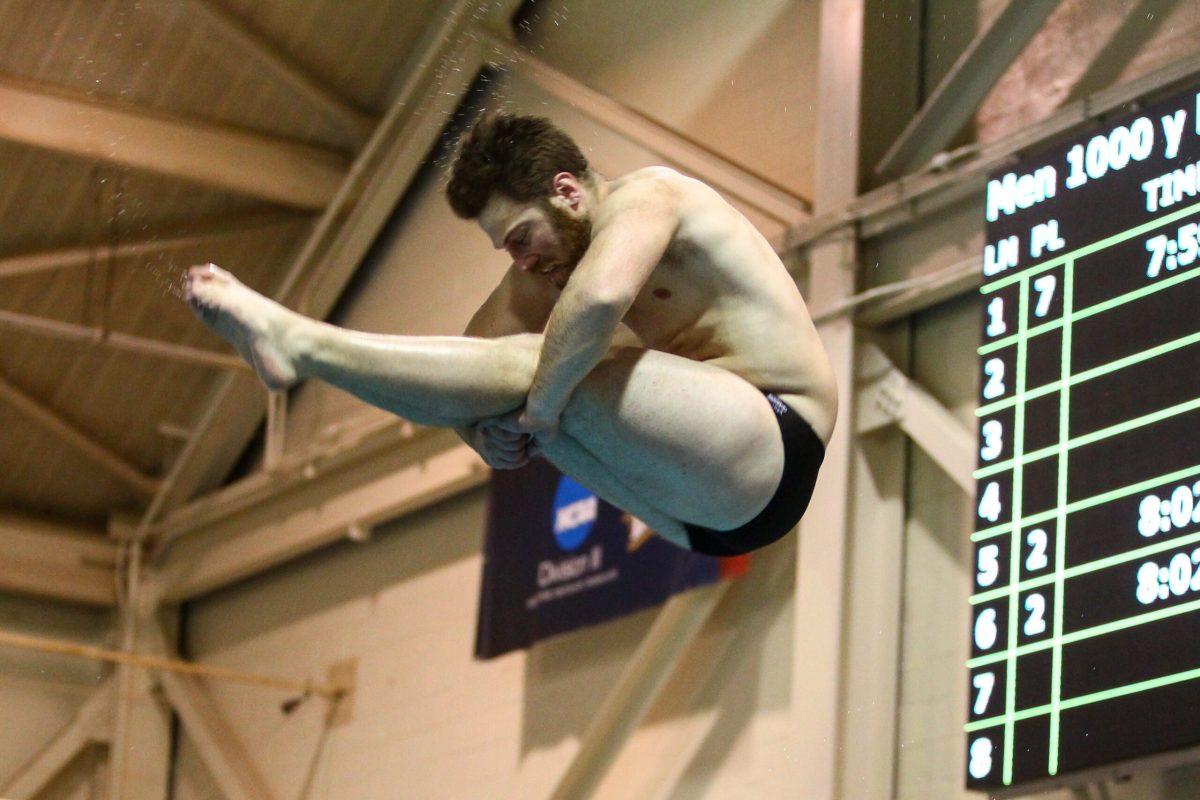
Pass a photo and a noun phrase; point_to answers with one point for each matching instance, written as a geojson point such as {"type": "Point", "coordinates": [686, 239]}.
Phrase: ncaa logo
{"type": "Point", "coordinates": [573, 515]}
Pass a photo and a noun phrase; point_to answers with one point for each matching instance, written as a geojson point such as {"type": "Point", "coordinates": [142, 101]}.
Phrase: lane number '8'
{"type": "Point", "coordinates": [980, 765]}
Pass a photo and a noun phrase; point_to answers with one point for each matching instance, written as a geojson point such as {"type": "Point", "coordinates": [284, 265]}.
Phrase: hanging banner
{"type": "Point", "coordinates": [558, 558]}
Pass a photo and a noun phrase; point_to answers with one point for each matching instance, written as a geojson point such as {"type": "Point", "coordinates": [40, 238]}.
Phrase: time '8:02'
{"type": "Point", "coordinates": [1178, 578]}
{"type": "Point", "coordinates": [1156, 515]}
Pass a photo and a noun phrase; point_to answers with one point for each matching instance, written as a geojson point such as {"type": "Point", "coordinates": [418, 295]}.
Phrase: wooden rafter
{"type": "Point", "coordinates": [81, 441]}
{"type": "Point", "coordinates": [285, 69]}
{"type": "Point", "coordinates": [199, 234]}
{"type": "Point", "coordinates": [240, 161]}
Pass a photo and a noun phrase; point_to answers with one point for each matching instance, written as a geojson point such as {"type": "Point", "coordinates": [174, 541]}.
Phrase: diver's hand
{"type": "Point", "coordinates": [540, 430]}
{"type": "Point", "coordinates": [500, 447]}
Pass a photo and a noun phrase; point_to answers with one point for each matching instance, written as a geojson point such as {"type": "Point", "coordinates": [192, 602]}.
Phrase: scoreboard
{"type": "Point", "coordinates": [1085, 610]}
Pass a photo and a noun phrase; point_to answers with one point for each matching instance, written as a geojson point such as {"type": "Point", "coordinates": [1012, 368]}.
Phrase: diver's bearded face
{"type": "Point", "coordinates": [574, 235]}
{"type": "Point", "coordinates": [543, 237]}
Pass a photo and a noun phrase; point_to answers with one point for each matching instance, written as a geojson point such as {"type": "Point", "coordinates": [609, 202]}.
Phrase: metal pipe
{"type": "Point", "coordinates": [60, 647]}
{"type": "Point", "coordinates": [276, 430]}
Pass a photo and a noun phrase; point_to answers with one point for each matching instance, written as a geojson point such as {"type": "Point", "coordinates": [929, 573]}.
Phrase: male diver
{"type": "Point", "coordinates": [646, 340]}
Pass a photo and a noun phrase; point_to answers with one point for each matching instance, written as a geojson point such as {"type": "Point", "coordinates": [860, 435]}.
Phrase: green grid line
{"type": "Point", "coordinates": [1060, 541]}
{"type": "Point", "coordinates": [1011, 339]}
{"type": "Point", "coordinates": [1032, 394]}
{"type": "Point", "coordinates": [1096, 308]}
{"type": "Point", "coordinates": [1094, 372]}
{"type": "Point", "coordinates": [1091, 566]}
{"type": "Point", "coordinates": [1090, 699]}
{"type": "Point", "coordinates": [1014, 565]}
{"type": "Point", "coordinates": [1007, 464]}
{"type": "Point", "coordinates": [1136, 422]}
{"type": "Point", "coordinates": [1089, 502]}
{"type": "Point", "coordinates": [1094, 436]}
{"type": "Point", "coordinates": [1087, 633]}
{"type": "Point", "coordinates": [1087, 250]}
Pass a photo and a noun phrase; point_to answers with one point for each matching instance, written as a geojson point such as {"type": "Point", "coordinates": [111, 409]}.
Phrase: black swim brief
{"type": "Point", "coordinates": [803, 453]}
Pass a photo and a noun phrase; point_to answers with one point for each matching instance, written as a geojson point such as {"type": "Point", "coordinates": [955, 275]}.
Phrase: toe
{"type": "Point", "coordinates": [205, 272]}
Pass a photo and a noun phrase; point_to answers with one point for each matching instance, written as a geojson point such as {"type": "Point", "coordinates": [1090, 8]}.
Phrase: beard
{"type": "Point", "coordinates": [575, 233]}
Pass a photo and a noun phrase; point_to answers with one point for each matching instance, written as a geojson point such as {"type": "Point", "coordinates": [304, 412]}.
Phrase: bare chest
{"type": "Point", "coordinates": [675, 310]}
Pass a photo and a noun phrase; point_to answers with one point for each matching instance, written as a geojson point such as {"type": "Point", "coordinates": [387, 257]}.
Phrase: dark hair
{"type": "Point", "coordinates": [516, 156]}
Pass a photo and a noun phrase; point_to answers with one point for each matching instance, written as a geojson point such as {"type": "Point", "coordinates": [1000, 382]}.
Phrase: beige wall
{"type": "Point", "coordinates": [39, 694]}
{"type": "Point", "coordinates": [429, 721]}
{"type": "Point", "coordinates": [737, 77]}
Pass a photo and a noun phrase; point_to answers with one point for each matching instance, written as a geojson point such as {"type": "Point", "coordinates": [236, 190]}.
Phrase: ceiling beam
{"type": "Point", "coordinates": [959, 94]}
{"type": "Point", "coordinates": [227, 158]}
{"type": "Point", "coordinates": [381, 174]}
{"type": "Point", "coordinates": [925, 291]}
{"type": "Point", "coordinates": [215, 739]}
{"type": "Point", "coordinates": [726, 176]}
{"type": "Point", "coordinates": [82, 442]}
{"type": "Point", "coordinates": [123, 342]}
{"type": "Point", "coordinates": [228, 539]}
{"type": "Point", "coordinates": [200, 234]}
{"type": "Point", "coordinates": [889, 397]}
{"type": "Point", "coordinates": [51, 560]}
{"type": "Point", "coordinates": [356, 123]}
{"type": "Point", "coordinates": [340, 447]}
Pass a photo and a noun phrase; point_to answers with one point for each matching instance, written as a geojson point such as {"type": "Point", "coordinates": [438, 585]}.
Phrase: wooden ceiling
{"type": "Point", "coordinates": [138, 137]}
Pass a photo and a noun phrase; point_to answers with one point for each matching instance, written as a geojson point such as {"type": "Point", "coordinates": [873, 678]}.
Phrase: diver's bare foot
{"type": "Point", "coordinates": [257, 326]}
